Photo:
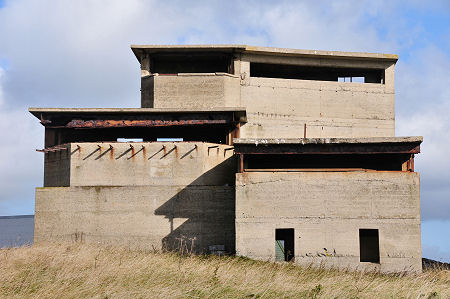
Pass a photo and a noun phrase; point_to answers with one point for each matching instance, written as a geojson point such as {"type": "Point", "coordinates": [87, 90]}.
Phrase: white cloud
{"type": "Point", "coordinates": [76, 54]}
{"type": "Point", "coordinates": [19, 163]}
{"type": "Point", "coordinates": [423, 92]}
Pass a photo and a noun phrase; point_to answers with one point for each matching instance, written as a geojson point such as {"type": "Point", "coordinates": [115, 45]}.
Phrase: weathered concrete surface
{"type": "Point", "coordinates": [190, 90]}
{"type": "Point", "coordinates": [327, 209]}
{"type": "Point", "coordinates": [147, 163]}
{"type": "Point", "coordinates": [279, 108]}
{"type": "Point", "coordinates": [57, 169]}
{"type": "Point", "coordinates": [148, 196]}
{"type": "Point", "coordinates": [138, 217]}
{"type": "Point", "coordinates": [138, 50]}
{"type": "Point", "coordinates": [303, 141]}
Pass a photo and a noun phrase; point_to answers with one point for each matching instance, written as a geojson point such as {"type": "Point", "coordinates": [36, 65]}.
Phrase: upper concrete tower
{"type": "Point", "coordinates": [287, 93]}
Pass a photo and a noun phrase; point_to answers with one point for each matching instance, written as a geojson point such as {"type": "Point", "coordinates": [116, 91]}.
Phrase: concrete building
{"type": "Point", "coordinates": [274, 154]}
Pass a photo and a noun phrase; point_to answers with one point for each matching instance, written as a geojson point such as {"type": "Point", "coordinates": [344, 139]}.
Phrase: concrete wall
{"type": "Point", "coordinates": [151, 163]}
{"type": "Point", "coordinates": [138, 217]}
{"type": "Point", "coordinates": [327, 209]}
{"type": "Point", "coordinates": [196, 91]}
{"type": "Point", "coordinates": [57, 169]}
{"type": "Point", "coordinates": [142, 197]}
{"type": "Point", "coordinates": [279, 108]}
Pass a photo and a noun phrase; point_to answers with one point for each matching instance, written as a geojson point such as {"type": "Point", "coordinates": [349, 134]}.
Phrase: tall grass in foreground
{"type": "Point", "coordinates": [80, 270]}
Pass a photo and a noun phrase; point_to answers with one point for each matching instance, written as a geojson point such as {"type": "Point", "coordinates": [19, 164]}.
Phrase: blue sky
{"type": "Point", "coordinates": [76, 54]}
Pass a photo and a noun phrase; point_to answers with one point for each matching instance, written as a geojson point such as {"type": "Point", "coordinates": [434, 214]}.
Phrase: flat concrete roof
{"type": "Point", "coordinates": [119, 117]}
{"type": "Point", "coordinates": [370, 145]}
{"type": "Point", "coordinates": [305, 141]}
{"type": "Point", "coordinates": [139, 49]}
{"type": "Point", "coordinates": [38, 112]}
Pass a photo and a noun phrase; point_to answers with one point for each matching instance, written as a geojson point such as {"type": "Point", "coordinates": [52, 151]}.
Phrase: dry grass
{"type": "Point", "coordinates": [79, 271]}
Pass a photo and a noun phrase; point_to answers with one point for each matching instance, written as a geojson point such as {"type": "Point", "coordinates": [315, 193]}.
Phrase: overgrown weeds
{"type": "Point", "coordinates": [81, 270]}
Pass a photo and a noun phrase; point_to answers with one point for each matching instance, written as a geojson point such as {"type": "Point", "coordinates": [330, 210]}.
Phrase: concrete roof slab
{"type": "Point", "coordinates": [149, 49]}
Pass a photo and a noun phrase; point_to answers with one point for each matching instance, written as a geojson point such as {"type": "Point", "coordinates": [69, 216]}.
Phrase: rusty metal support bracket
{"type": "Point", "coordinates": [227, 149]}
{"type": "Point", "coordinates": [212, 146]}
{"type": "Point", "coordinates": [56, 148]}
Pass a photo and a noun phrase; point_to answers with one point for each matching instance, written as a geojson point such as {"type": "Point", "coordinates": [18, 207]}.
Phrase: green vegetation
{"type": "Point", "coordinates": [80, 270]}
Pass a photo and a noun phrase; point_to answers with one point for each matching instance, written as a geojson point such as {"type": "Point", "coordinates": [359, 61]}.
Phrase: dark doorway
{"type": "Point", "coordinates": [284, 244]}
{"type": "Point", "coordinates": [369, 246]}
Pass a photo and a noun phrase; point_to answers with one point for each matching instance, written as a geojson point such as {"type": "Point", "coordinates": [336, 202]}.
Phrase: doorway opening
{"type": "Point", "coordinates": [369, 246]}
{"type": "Point", "coordinates": [284, 244]}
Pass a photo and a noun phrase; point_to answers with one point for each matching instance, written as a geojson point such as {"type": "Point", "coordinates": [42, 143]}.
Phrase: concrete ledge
{"type": "Point", "coordinates": [303, 141]}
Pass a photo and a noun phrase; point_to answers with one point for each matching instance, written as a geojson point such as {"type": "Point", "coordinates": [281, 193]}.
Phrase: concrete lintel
{"type": "Point", "coordinates": [38, 111]}
{"type": "Point", "coordinates": [303, 141]}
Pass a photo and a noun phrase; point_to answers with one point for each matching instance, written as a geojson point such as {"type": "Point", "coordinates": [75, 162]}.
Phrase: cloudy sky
{"type": "Point", "coordinates": [76, 54]}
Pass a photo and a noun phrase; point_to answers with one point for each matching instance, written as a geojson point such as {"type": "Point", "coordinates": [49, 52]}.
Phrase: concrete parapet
{"type": "Point", "coordinates": [140, 164]}
{"type": "Point", "coordinates": [281, 107]}
{"type": "Point", "coordinates": [190, 90]}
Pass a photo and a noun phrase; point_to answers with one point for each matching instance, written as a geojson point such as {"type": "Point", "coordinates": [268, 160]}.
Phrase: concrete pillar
{"type": "Point", "coordinates": [245, 72]}
{"type": "Point", "coordinates": [389, 78]}
{"type": "Point", "coordinates": [145, 65]}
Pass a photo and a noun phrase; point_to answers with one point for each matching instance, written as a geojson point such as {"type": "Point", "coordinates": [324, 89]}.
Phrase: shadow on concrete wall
{"type": "Point", "coordinates": [208, 203]}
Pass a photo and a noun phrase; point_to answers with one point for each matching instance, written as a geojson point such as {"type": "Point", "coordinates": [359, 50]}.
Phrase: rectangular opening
{"type": "Point", "coordinates": [317, 73]}
{"type": "Point", "coordinates": [130, 139]}
{"type": "Point", "coordinates": [381, 162]}
{"type": "Point", "coordinates": [191, 63]}
{"type": "Point", "coordinates": [369, 246]}
{"type": "Point", "coordinates": [351, 79]}
{"type": "Point", "coordinates": [284, 244]}
{"type": "Point", "coordinates": [169, 139]}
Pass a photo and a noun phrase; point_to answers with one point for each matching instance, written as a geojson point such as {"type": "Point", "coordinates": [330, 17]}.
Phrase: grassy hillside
{"type": "Point", "coordinates": [77, 271]}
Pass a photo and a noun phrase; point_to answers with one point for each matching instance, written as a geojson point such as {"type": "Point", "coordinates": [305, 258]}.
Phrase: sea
{"type": "Point", "coordinates": [16, 231]}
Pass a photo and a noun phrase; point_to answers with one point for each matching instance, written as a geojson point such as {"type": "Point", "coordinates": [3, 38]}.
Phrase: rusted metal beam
{"type": "Point", "coordinates": [56, 148]}
{"type": "Point", "coordinates": [98, 124]}
{"type": "Point", "coordinates": [241, 163]}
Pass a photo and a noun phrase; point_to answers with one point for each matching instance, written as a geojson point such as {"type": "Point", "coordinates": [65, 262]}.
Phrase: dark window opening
{"type": "Point", "coordinates": [284, 71]}
{"type": "Point", "coordinates": [369, 246]}
{"type": "Point", "coordinates": [388, 162]}
{"type": "Point", "coordinates": [191, 63]}
{"type": "Point", "coordinates": [284, 244]}
{"type": "Point", "coordinates": [212, 133]}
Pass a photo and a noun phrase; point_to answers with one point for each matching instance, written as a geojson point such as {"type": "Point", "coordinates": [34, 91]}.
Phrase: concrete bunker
{"type": "Point", "coordinates": [264, 152]}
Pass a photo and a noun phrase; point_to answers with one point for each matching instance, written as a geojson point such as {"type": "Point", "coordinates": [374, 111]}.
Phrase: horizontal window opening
{"type": "Point", "coordinates": [211, 133]}
{"type": "Point", "coordinates": [285, 71]}
{"type": "Point", "coordinates": [191, 63]}
{"type": "Point", "coordinates": [387, 162]}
